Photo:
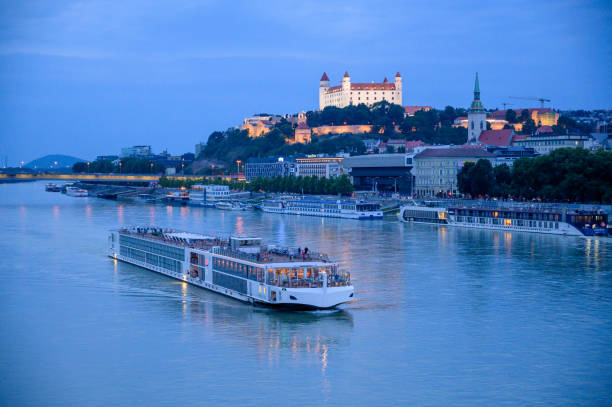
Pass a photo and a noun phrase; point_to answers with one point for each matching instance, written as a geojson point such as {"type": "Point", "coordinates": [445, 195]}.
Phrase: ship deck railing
{"type": "Point", "coordinates": [272, 254]}
{"type": "Point", "coordinates": [220, 245]}
{"type": "Point", "coordinates": [514, 205]}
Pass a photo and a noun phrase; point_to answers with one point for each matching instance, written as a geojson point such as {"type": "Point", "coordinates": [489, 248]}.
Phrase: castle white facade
{"type": "Point", "coordinates": [356, 93]}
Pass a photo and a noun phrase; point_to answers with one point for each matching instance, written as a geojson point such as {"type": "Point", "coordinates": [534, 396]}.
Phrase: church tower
{"type": "Point", "coordinates": [323, 87]}
{"type": "Point", "coordinates": [477, 117]}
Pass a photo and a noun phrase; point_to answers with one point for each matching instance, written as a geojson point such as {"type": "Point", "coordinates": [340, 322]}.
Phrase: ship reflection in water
{"type": "Point", "coordinates": [269, 333]}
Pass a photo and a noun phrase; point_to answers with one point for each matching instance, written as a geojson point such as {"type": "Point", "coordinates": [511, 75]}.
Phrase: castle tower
{"type": "Point", "coordinates": [346, 89]}
{"type": "Point", "coordinates": [477, 116]}
{"type": "Point", "coordinates": [398, 89]}
{"type": "Point", "coordinates": [323, 87]}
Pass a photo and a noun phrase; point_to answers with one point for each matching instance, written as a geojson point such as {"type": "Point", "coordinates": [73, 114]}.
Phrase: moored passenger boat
{"type": "Point", "coordinates": [230, 206]}
{"type": "Point", "coordinates": [50, 187]}
{"type": "Point", "coordinates": [325, 208]}
{"type": "Point", "coordinates": [177, 198]}
{"type": "Point", "coordinates": [76, 192]}
{"type": "Point", "coordinates": [538, 219]}
{"type": "Point", "coordinates": [519, 218]}
{"type": "Point", "coordinates": [423, 214]}
{"type": "Point", "coordinates": [239, 267]}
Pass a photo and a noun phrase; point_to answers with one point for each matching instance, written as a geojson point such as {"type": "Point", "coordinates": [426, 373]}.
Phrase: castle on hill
{"type": "Point", "coordinates": [349, 93]}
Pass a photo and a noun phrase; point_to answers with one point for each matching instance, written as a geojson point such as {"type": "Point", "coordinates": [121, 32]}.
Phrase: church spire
{"type": "Point", "coordinates": [476, 104]}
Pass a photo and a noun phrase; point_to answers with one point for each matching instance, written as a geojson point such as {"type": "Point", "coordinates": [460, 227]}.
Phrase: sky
{"type": "Point", "coordinates": [86, 78]}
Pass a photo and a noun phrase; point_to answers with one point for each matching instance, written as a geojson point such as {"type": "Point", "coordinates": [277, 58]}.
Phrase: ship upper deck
{"type": "Point", "coordinates": [237, 247]}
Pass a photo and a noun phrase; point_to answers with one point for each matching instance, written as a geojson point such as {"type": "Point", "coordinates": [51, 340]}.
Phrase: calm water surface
{"type": "Point", "coordinates": [443, 316]}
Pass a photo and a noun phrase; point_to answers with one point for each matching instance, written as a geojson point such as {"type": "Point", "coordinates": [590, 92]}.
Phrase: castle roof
{"type": "Point", "coordinates": [397, 75]}
{"type": "Point", "coordinates": [385, 80]}
{"type": "Point", "coordinates": [373, 86]}
{"type": "Point", "coordinates": [302, 126]}
{"type": "Point", "coordinates": [364, 86]}
{"type": "Point", "coordinates": [346, 75]}
{"type": "Point", "coordinates": [324, 77]}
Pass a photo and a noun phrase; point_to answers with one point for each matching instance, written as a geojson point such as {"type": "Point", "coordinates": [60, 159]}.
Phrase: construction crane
{"type": "Point", "coordinates": [506, 104]}
{"type": "Point", "coordinates": [541, 100]}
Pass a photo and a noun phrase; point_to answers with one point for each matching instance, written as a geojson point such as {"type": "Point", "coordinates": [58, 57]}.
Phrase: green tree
{"type": "Point", "coordinates": [503, 179]}
{"type": "Point", "coordinates": [529, 127]}
{"type": "Point", "coordinates": [482, 179]}
{"type": "Point", "coordinates": [511, 116]}
{"type": "Point", "coordinates": [79, 167]}
{"type": "Point", "coordinates": [464, 184]}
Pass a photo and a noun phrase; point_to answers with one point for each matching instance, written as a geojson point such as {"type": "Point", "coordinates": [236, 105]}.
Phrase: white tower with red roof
{"type": "Point", "coordinates": [323, 87]}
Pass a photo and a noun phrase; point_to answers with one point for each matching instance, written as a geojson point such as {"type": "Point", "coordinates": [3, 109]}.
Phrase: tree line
{"type": "Point", "coordinates": [126, 166]}
{"type": "Point", "coordinates": [566, 174]}
{"type": "Point", "coordinates": [307, 185]}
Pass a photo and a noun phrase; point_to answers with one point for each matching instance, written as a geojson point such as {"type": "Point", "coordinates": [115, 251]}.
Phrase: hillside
{"type": "Point", "coordinates": [53, 161]}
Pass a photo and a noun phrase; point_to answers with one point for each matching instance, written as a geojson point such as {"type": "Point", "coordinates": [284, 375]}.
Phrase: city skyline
{"type": "Point", "coordinates": [87, 78]}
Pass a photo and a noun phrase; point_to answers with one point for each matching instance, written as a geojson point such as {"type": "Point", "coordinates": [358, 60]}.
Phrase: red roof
{"type": "Point", "coordinates": [413, 144]}
{"type": "Point", "coordinates": [397, 75]}
{"type": "Point", "coordinates": [460, 152]}
{"type": "Point", "coordinates": [324, 77]}
{"type": "Point", "coordinates": [385, 80]}
{"type": "Point", "coordinates": [519, 137]}
{"type": "Point", "coordinates": [373, 86]}
{"type": "Point", "coordinates": [500, 138]}
{"type": "Point", "coordinates": [346, 75]}
{"type": "Point", "coordinates": [544, 130]}
{"type": "Point", "coordinates": [302, 126]}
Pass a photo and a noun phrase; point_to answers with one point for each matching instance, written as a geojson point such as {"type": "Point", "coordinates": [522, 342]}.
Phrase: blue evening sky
{"type": "Point", "coordinates": [88, 77]}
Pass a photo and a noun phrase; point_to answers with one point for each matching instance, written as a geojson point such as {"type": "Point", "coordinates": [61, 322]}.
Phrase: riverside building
{"type": "Point", "coordinates": [435, 170]}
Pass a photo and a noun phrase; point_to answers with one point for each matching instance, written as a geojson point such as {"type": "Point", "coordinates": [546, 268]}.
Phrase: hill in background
{"type": "Point", "coordinates": [53, 161]}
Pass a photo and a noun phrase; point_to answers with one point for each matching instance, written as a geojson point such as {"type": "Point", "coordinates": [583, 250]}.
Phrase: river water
{"type": "Point", "coordinates": [442, 316]}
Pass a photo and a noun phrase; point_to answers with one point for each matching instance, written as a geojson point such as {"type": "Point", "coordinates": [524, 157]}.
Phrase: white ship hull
{"type": "Point", "coordinates": [564, 228]}
{"type": "Point", "coordinates": [341, 214]}
{"type": "Point", "coordinates": [75, 192]}
{"type": "Point", "coordinates": [440, 217]}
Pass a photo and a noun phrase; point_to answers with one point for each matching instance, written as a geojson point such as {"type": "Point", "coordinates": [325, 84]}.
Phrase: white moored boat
{"type": "Point", "coordinates": [76, 192]}
{"type": "Point", "coordinates": [239, 267]}
{"type": "Point", "coordinates": [347, 209]}
{"type": "Point", "coordinates": [230, 206]}
{"type": "Point", "coordinates": [539, 218]}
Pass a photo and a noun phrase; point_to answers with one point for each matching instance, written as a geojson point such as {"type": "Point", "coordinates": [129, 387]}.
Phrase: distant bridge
{"type": "Point", "coordinates": [117, 179]}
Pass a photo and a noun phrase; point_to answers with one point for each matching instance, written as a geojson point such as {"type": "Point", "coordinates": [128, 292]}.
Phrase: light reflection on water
{"type": "Point", "coordinates": [442, 314]}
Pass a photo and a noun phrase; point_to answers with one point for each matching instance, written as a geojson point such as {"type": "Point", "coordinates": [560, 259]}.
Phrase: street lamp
{"type": "Point", "coordinates": [88, 166]}
{"type": "Point", "coordinates": [120, 164]}
{"type": "Point", "coordinates": [151, 168]}
{"type": "Point", "coordinates": [238, 164]}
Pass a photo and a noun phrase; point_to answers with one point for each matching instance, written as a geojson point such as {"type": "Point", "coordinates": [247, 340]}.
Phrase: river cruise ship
{"type": "Point", "coordinates": [239, 267]}
{"type": "Point", "coordinates": [329, 209]}
{"type": "Point", "coordinates": [520, 218]}
{"type": "Point", "coordinates": [423, 214]}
